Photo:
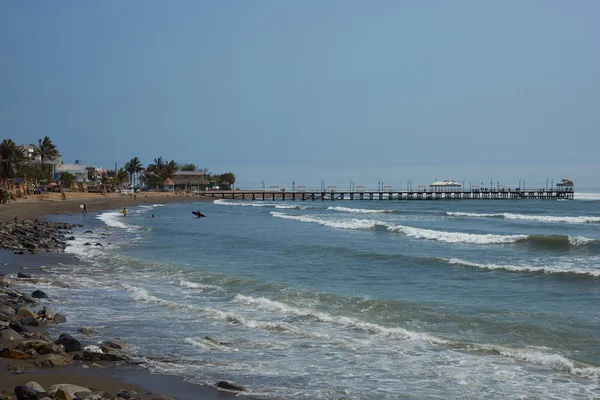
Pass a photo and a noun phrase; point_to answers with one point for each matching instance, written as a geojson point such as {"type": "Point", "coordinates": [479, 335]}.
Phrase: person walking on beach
{"type": "Point", "coordinates": [84, 211]}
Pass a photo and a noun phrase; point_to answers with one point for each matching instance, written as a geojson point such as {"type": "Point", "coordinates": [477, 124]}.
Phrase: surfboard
{"type": "Point", "coordinates": [81, 206]}
{"type": "Point", "coordinates": [123, 211]}
{"type": "Point", "coordinates": [198, 214]}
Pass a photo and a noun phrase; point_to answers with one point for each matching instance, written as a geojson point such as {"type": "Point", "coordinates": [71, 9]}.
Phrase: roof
{"type": "Point", "coordinates": [168, 182]}
{"type": "Point", "coordinates": [565, 182]}
{"type": "Point", "coordinates": [188, 173]}
{"type": "Point", "coordinates": [445, 183]}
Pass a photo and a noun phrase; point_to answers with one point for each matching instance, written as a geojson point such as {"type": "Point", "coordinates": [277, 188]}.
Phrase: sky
{"type": "Point", "coordinates": [311, 90]}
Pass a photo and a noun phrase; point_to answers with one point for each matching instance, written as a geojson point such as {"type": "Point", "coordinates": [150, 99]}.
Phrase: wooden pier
{"type": "Point", "coordinates": [332, 195]}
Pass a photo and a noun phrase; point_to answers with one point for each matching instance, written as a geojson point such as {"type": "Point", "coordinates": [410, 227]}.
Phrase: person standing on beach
{"type": "Point", "coordinates": [84, 211]}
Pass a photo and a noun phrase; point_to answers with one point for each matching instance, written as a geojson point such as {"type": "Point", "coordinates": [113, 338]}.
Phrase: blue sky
{"type": "Point", "coordinates": [311, 90]}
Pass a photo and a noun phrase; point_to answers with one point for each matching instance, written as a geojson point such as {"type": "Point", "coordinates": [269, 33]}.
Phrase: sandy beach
{"type": "Point", "coordinates": [51, 203]}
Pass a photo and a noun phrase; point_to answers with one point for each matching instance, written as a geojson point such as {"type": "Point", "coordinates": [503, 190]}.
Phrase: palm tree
{"type": "Point", "coordinates": [11, 158]}
{"type": "Point", "coordinates": [158, 164]}
{"type": "Point", "coordinates": [133, 167]}
{"type": "Point", "coordinates": [46, 150]}
{"type": "Point", "coordinates": [169, 169]}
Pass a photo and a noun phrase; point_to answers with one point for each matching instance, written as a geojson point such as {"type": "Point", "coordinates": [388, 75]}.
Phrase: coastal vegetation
{"type": "Point", "coordinates": [33, 162]}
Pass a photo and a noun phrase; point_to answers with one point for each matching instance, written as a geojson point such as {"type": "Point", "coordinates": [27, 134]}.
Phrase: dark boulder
{"type": "Point", "coordinates": [23, 275]}
{"type": "Point", "coordinates": [71, 238]}
{"type": "Point", "coordinates": [38, 294]}
{"type": "Point", "coordinates": [26, 393]}
{"type": "Point", "coordinates": [17, 327]}
{"type": "Point", "coordinates": [87, 244]}
{"type": "Point", "coordinates": [29, 321]}
{"type": "Point", "coordinates": [124, 394]}
{"type": "Point", "coordinates": [230, 386]}
{"type": "Point", "coordinates": [59, 319]}
{"type": "Point", "coordinates": [68, 342]}
{"type": "Point", "coordinates": [99, 244]}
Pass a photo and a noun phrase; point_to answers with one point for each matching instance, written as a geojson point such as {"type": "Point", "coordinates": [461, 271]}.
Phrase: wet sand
{"type": "Point", "coordinates": [37, 206]}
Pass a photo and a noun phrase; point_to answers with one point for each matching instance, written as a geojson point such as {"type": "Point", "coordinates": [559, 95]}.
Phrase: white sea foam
{"type": "Point", "coordinates": [456, 237]}
{"type": "Point", "coordinates": [360, 210]}
{"type": "Point", "coordinates": [347, 322]}
{"type": "Point", "coordinates": [342, 223]}
{"type": "Point", "coordinates": [549, 360]}
{"type": "Point", "coordinates": [199, 286]}
{"type": "Point", "coordinates": [522, 217]}
{"type": "Point", "coordinates": [558, 269]}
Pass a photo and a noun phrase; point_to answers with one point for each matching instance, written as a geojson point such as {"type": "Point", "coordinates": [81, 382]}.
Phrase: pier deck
{"type": "Point", "coordinates": [314, 195]}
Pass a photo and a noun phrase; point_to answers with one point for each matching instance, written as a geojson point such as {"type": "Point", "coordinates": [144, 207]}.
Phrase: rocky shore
{"type": "Point", "coordinates": [31, 341]}
{"type": "Point", "coordinates": [26, 344]}
{"type": "Point", "coordinates": [34, 236]}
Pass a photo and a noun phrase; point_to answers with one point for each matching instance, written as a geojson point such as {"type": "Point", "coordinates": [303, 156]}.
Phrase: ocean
{"type": "Point", "coordinates": [354, 299]}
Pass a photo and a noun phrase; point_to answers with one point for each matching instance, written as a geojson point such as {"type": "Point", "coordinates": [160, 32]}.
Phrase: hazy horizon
{"type": "Point", "coordinates": [310, 91]}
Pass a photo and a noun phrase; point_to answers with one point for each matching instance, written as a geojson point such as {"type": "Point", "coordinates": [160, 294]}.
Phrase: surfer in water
{"type": "Point", "coordinates": [124, 211]}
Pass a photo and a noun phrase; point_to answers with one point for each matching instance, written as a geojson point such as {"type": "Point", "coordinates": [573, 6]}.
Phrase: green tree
{"type": "Point", "coordinates": [134, 167]}
{"type": "Point", "coordinates": [66, 179]}
{"type": "Point", "coordinates": [227, 179]}
{"type": "Point", "coordinates": [11, 158]}
{"type": "Point", "coordinates": [121, 177]}
{"type": "Point", "coordinates": [188, 167]}
{"type": "Point", "coordinates": [46, 150]}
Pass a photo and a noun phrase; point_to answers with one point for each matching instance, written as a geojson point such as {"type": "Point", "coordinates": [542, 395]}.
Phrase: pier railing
{"type": "Point", "coordinates": [389, 194]}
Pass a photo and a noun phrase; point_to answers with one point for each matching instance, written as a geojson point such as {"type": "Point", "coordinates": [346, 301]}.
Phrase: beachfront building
{"type": "Point", "coordinates": [445, 186]}
{"type": "Point", "coordinates": [189, 180]}
{"type": "Point", "coordinates": [29, 152]}
{"type": "Point", "coordinates": [169, 185]}
{"type": "Point", "coordinates": [565, 185]}
{"type": "Point", "coordinates": [78, 170]}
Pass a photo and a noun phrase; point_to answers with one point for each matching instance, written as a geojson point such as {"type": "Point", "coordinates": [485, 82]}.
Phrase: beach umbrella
{"type": "Point", "coordinates": [52, 184]}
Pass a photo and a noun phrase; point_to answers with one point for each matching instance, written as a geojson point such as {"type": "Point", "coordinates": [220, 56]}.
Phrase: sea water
{"type": "Point", "coordinates": [350, 299]}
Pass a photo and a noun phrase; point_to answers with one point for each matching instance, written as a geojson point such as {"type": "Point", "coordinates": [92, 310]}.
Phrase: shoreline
{"type": "Point", "coordinates": [112, 377]}
{"type": "Point", "coordinates": [106, 376]}
{"type": "Point", "coordinates": [37, 207]}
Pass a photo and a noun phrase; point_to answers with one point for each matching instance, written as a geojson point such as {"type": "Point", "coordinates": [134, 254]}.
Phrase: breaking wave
{"type": "Point", "coordinates": [521, 217]}
{"type": "Point", "coordinates": [550, 241]}
{"type": "Point", "coordinates": [362, 224]}
{"type": "Point", "coordinates": [526, 268]}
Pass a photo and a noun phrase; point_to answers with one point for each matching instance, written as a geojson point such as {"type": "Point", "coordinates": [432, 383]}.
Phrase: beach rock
{"type": "Point", "coordinates": [53, 360]}
{"type": "Point", "coordinates": [68, 388]}
{"type": "Point", "coordinates": [46, 313]}
{"type": "Point", "coordinates": [87, 244]}
{"type": "Point", "coordinates": [51, 348]}
{"type": "Point", "coordinates": [230, 386]}
{"type": "Point", "coordinates": [60, 284]}
{"type": "Point", "coordinates": [87, 331]}
{"type": "Point", "coordinates": [29, 322]}
{"type": "Point", "coordinates": [16, 368]}
{"type": "Point", "coordinates": [93, 356]}
{"type": "Point", "coordinates": [26, 393]}
{"type": "Point", "coordinates": [14, 354]}
{"type": "Point", "coordinates": [31, 353]}
{"type": "Point", "coordinates": [35, 386]}
{"type": "Point", "coordinates": [38, 294]}
{"type": "Point", "coordinates": [6, 282]}
{"type": "Point", "coordinates": [68, 342]}
{"type": "Point", "coordinates": [25, 313]}
{"type": "Point", "coordinates": [17, 327]}
{"type": "Point", "coordinates": [61, 394]}
{"type": "Point", "coordinates": [59, 319]}
{"type": "Point", "coordinates": [27, 299]}
{"type": "Point", "coordinates": [9, 338]}
{"type": "Point", "coordinates": [23, 275]}
{"type": "Point", "coordinates": [88, 232]}
{"type": "Point", "coordinates": [124, 394]}
{"type": "Point", "coordinates": [71, 238]}
{"type": "Point", "coordinates": [94, 396]}
{"type": "Point", "coordinates": [116, 344]}
{"type": "Point", "coordinates": [6, 310]}
{"type": "Point", "coordinates": [152, 397]}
